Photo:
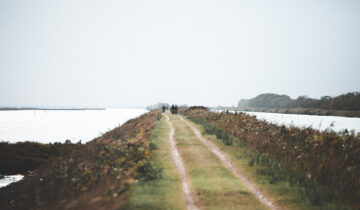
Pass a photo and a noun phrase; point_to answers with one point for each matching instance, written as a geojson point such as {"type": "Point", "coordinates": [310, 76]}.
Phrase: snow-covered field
{"type": "Point", "coordinates": [47, 126]}
{"type": "Point", "coordinates": [317, 122]}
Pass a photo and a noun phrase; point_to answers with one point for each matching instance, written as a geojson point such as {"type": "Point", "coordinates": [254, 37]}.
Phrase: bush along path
{"type": "Point", "coordinates": [234, 170]}
{"type": "Point", "coordinates": [304, 167]}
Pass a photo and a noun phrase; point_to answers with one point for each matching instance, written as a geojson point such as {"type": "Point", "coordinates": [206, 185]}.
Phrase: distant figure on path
{"type": "Point", "coordinates": [173, 109]}
{"type": "Point", "coordinates": [163, 109]}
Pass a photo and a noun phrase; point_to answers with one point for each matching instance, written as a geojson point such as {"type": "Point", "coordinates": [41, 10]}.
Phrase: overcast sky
{"type": "Point", "coordinates": [74, 53]}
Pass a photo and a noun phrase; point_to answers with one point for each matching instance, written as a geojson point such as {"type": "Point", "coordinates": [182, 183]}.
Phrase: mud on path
{"type": "Point", "coordinates": [234, 170]}
{"type": "Point", "coordinates": [187, 192]}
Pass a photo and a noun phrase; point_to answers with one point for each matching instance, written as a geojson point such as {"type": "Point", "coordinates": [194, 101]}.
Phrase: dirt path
{"type": "Point", "coordinates": [227, 162]}
{"type": "Point", "coordinates": [187, 192]}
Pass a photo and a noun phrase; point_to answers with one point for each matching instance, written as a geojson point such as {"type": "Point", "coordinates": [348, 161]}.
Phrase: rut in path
{"type": "Point", "coordinates": [230, 166]}
{"type": "Point", "coordinates": [187, 192]}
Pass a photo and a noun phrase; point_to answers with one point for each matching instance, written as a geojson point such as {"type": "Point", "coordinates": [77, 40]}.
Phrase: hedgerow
{"type": "Point", "coordinates": [325, 165]}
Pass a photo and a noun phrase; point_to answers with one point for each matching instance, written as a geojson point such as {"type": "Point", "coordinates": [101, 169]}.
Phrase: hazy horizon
{"type": "Point", "coordinates": [137, 53]}
{"type": "Point", "coordinates": [131, 107]}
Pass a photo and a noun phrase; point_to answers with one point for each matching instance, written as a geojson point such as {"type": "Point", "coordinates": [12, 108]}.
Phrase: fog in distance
{"type": "Point", "coordinates": [134, 53]}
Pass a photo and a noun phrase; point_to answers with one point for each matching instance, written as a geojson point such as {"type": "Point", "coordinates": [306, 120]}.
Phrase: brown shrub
{"type": "Point", "coordinates": [327, 158]}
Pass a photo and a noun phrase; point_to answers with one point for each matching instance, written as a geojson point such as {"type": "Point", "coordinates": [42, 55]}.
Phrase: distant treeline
{"type": "Point", "coordinates": [346, 102]}
{"type": "Point", "coordinates": [159, 105]}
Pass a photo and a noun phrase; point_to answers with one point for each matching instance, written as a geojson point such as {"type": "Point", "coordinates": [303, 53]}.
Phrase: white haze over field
{"type": "Point", "coordinates": [46, 126]}
{"type": "Point", "coordinates": [127, 53]}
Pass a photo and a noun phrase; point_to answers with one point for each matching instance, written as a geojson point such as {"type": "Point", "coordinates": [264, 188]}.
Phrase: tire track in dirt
{"type": "Point", "coordinates": [187, 192]}
{"type": "Point", "coordinates": [230, 166]}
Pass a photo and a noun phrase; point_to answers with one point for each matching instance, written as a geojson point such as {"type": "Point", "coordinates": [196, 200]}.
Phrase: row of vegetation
{"type": "Point", "coordinates": [22, 157]}
{"type": "Point", "coordinates": [325, 165]}
{"type": "Point", "coordinates": [346, 102]}
{"type": "Point", "coordinates": [98, 175]}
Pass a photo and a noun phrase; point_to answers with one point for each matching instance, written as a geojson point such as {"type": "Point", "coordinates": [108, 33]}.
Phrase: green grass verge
{"type": "Point", "coordinates": [282, 192]}
{"type": "Point", "coordinates": [214, 185]}
{"type": "Point", "coordinates": [164, 192]}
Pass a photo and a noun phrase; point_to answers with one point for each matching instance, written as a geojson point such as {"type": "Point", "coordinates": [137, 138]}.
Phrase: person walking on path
{"type": "Point", "coordinates": [172, 109]}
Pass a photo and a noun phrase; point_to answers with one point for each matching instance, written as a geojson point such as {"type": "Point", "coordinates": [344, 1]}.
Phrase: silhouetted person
{"type": "Point", "coordinates": [163, 109]}
{"type": "Point", "coordinates": [172, 109]}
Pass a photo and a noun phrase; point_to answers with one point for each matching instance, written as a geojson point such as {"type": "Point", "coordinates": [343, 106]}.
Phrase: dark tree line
{"type": "Point", "coordinates": [348, 102]}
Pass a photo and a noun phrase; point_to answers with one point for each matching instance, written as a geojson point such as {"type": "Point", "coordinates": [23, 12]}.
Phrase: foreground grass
{"type": "Point", "coordinates": [214, 185]}
{"type": "Point", "coordinates": [165, 192]}
{"type": "Point", "coordinates": [284, 194]}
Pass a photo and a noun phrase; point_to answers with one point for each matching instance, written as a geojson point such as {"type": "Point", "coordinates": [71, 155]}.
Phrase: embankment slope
{"type": "Point", "coordinates": [98, 175]}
